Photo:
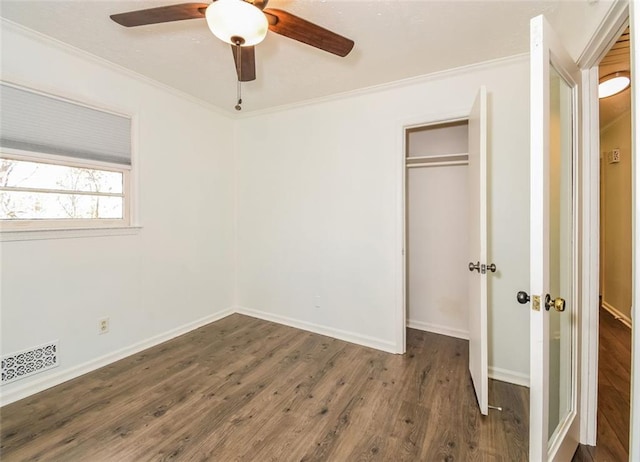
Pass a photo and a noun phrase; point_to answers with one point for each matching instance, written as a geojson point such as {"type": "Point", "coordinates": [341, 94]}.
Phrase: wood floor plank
{"type": "Point", "coordinates": [243, 389]}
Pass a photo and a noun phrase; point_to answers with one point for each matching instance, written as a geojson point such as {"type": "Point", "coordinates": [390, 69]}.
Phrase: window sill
{"type": "Point", "coordinates": [66, 233]}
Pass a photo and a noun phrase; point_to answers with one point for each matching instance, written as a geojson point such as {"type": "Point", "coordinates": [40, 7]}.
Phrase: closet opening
{"type": "Point", "coordinates": [437, 211]}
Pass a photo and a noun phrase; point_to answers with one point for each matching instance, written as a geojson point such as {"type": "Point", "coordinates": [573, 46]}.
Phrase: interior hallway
{"type": "Point", "coordinates": [614, 391]}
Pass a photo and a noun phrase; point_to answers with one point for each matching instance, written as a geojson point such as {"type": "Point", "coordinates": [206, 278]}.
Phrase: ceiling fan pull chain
{"type": "Point", "coordinates": [239, 48]}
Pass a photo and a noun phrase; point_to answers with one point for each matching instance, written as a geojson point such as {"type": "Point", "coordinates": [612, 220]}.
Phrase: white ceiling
{"type": "Point", "coordinates": [394, 40]}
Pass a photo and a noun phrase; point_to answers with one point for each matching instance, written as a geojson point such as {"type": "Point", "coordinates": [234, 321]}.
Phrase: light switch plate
{"type": "Point", "coordinates": [614, 156]}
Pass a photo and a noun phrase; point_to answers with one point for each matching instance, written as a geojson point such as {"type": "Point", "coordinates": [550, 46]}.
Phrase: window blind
{"type": "Point", "coordinates": [35, 122]}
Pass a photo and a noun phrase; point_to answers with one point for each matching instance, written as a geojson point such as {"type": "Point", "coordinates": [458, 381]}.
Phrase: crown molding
{"type": "Point", "coordinates": [608, 31]}
{"type": "Point", "coordinates": [77, 52]}
{"type": "Point", "coordinates": [617, 119]}
{"type": "Point", "coordinates": [74, 51]}
{"type": "Point", "coordinates": [440, 75]}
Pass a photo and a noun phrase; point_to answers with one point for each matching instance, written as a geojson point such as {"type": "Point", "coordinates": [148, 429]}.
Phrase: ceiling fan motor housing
{"type": "Point", "coordinates": [232, 19]}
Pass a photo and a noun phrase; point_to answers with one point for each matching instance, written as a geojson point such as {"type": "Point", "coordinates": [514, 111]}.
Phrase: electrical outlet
{"type": "Point", "coordinates": [103, 325]}
{"type": "Point", "coordinates": [613, 157]}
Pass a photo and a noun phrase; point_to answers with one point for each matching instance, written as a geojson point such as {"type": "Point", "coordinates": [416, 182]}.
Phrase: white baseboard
{"type": "Point", "coordinates": [495, 373]}
{"type": "Point", "coordinates": [504, 375]}
{"type": "Point", "coordinates": [339, 334]}
{"type": "Point", "coordinates": [616, 313]}
{"type": "Point", "coordinates": [31, 387]}
{"type": "Point", "coordinates": [438, 329]}
{"type": "Point", "coordinates": [50, 380]}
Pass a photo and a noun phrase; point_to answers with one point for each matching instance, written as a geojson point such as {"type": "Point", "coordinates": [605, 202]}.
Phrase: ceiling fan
{"type": "Point", "coordinates": [243, 24]}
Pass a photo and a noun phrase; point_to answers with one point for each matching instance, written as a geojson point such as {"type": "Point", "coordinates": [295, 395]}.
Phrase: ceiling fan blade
{"type": "Point", "coordinates": [299, 29]}
{"type": "Point", "coordinates": [247, 72]}
{"type": "Point", "coordinates": [161, 14]}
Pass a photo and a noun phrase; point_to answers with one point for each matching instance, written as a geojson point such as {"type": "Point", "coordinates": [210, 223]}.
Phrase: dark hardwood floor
{"type": "Point", "coordinates": [614, 389]}
{"type": "Point", "coordinates": [243, 389]}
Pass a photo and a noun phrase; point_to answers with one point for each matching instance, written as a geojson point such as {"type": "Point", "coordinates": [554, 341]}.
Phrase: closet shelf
{"type": "Point", "coordinates": [447, 159]}
{"type": "Point", "coordinates": [439, 164]}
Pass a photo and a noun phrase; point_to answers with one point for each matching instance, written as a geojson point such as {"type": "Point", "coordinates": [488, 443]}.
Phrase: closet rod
{"type": "Point", "coordinates": [438, 164]}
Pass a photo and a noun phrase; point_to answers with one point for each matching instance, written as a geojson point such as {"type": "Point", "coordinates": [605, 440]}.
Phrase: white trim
{"type": "Point", "coordinates": [29, 224]}
{"type": "Point", "coordinates": [590, 258]}
{"type": "Point", "coordinates": [438, 329]}
{"type": "Point", "coordinates": [65, 47]}
{"type": "Point", "coordinates": [606, 34]}
{"type": "Point", "coordinates": [448, 73]}
{"type": "Point", "coordinates": [634, 430]}
{"type": "Point", "coordinates": [130, 172]}
{"type": "Point", "coordinates": [63, 191]}
{"type": "Point", "coordinates": [403, 125]}
{"type": "Point", "coordinates": [439, 75]}
{"type": "Point", "coordinates": [236, 182]}
{"type": "Point", "coordinates": [505, 375]}
{"type": "Point", "coordinates": [617, 314]}
{"type": "Point", "coordinates": [400, 312]}
{"type": "Point", "coordinates": [51, 380]}
{"type": "Point", "coordinates": [339, 334]}
{"type": "Point", "coordinates": [67, 233]}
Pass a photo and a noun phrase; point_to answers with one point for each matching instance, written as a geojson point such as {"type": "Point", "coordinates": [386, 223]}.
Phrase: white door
{"type": "Point", "coordinates": [554, 420]}
{"type": "Point", "coordinates": [478, 341]}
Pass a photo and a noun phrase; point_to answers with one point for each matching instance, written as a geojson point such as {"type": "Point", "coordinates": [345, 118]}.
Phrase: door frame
{"type": "Point", "coordinates": [405, 125]}
{"type": "Point", "coordinates": [610, 29]}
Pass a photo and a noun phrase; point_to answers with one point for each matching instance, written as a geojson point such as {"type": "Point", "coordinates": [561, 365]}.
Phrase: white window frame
{"type": "Point", "coordinates": [73, 223]}
{"type": "Point", "coordinates": [21, 230]}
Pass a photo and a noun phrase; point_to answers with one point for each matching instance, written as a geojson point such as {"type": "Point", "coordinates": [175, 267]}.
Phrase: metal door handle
{"type": "Point", "coordinates": [558, 303]}
{"type": "Point", "coordinates": [523, 297]}
{"type": "Point", "coordinates": [474, 267]}
{"type": "Point", "coordinates": [492, 267]}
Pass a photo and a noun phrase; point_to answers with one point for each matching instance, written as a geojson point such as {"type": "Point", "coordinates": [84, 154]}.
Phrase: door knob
{"type": "Point", "coordinates": [523, 297]}
{"type": "Point", "coordinates": [491, 267]}
{"type": "Point", "coordinates": [474, 267]}
{"type": "Point", "coordinates": [558, 303]}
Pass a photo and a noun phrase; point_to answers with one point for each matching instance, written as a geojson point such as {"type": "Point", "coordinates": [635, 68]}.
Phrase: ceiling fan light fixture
{"type": "Point", "coordinates": [230, 20]}
{"type": "Point", "coordinates": [612, 84]}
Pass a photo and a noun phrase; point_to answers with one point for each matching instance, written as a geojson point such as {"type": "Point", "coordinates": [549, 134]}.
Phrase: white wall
{"type": "Point", "coordinates": [318, 216]}
{"type": "Point", "coordinates": [438, 249]}
{"type": "Point", "coordinates": [615, 222]}
{"type": "Point", "coordinates": [441, 139]}
{"type": "Point", "coordinates": [319, 208]}
{"type": "Point", "coordinates": [175, 273]}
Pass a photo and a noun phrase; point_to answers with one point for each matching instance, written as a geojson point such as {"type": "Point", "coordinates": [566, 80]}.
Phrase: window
{"type": "Point", "coordinates": [62, 191]}
{"type": "Point", "coordinates": [62, 164]}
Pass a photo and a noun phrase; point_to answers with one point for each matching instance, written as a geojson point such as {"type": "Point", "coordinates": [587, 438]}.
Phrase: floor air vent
{"type": "Point", "coordinates": [28, 362]}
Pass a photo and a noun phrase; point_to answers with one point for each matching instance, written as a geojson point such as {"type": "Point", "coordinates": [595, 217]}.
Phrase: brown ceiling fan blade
{"type": "Point", "coordinates": [299, 29]}
{"type": "Point", "coordinates": [161, 14]}
{"type": "Point", "coordinates": [247, 72]}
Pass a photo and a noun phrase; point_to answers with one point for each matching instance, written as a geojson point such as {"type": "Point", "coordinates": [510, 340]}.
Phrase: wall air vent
{"type": "Point", "coordinates": [28, 362]}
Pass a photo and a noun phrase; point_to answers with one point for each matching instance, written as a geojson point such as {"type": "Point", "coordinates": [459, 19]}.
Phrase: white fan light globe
{"type": "Point", "coordinates": [237, 18]}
